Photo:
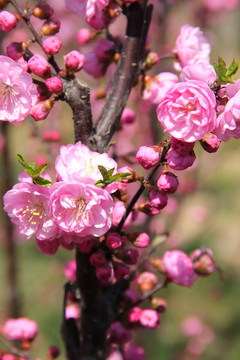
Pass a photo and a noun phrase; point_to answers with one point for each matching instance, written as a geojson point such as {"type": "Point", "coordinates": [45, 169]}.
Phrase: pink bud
{"type": "Point", "coordinates": [93, 66]}
{"type": "Point", "coordinates": [72, 311]}
{"type": "Point", "coordinates": [130, 297]}
{"type": "Point", "coordinates": [43, 92]}
{"type": "Point", "coordinates": [54, 85]}
{"type": "Point", "coordinates": [39, 66]}
{"type": "Point", "coordinates": [84, 35]}
{"type": "Point", "coordinates": [127, 169]}
{"type": "Point", "coordinates": [128, 116]}
{"type": "Point", "coordinates": [104, 50]}
{"type": "Point", "coordinates": [51, 26]}
{"type": "Point", "coordinates": [140, 240]}
{"type": "Point", "coordinates": [118, 334]}
{"type": "Point", "coordinates": [120, 271]}
{"type": "Point", "coordinates": [38, 112]}
{"type": "Point", "coordinates": [149, 319]}
{"type": "Point", "coordinates": [167, 182]}
{"type": "Point", "coordinates": [157, 199]}
{"type": "Point", "coordinates": [114, 241]}
{"type": "Point", "coordinates": [47, 247]}
{"type": "Point", "coordinates": [151, 60]}
{"type": "Point", "coordinates": [180, 162]}
{"type": "Point", "coordinates": [210, 143]}
{"type": "Point", "coordinates": [51, 135]}
{"type": "Point", "coordinates": [134, 352]}
{"type": "Point", "coordinates": [8, 21]}
{"type": "Point", "coordinates": [70, 270]}
{"type": "Point", "coordinates": [147, 281]}
{"type": "Point", "coordinates": [14, 50]}
{"type": "Point", "coordinates": [23, 64]}
{"type": "Point", "coordinates": [74, 60]}
{"type": "Point", "coordinates": [53, 352]}
{"type": "Point", "coordinates": [134, 314]}
{"type": "Point", "coordinates": [203, 261]}
{"type": "Point", "coordinates": [130, 256]}
{"type": "Point", "coordinates": [147, 157]}
{"type": "Point", "coordinates": [52, 45]}
{"type": "Point", "coordinates": [181, 147]}
{"type": "Point", "coordinates": [87, 245]}
{"type": "Point", "coordinates": [43, 11]}
{"type": "Point", "coordinates": [104, 274]}
{"type": "Point", "coordinates": [98, 259]}
{"type": "Point", "coordinates": [159, 304]}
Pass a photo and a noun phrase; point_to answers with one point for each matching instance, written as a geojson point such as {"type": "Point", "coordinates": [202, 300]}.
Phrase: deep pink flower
{"type": "Point", "coordinates": [17, 92]}
{"type": "Point", "coordinates": [98, 259]}
{"type": "Point", "coordinates": [128, 116]}
{"type": "Point", "coordinates": [202, 71]}
{"type": "Point", "coordinates": [14, 50]}
{"type": "Point", "coordinates": [149, 318]}
{"type": "Point", "coordinates": [134, 314]}
{"type": "Point", "coordinates": [156, 198]}
{"type": "Point", "coordinates": [77, 161]}
{"type": "Point", "coordinates": [179, 267]}
{"type": "Point", "coordinates": [141, 240]}
{"type": "Point", "coordinates": [81, 208]}
{"type": "Point", "coordinates": [114, 241]}
{"type": "Point", "coordinates": [104, 273]}
{"type": "Point", "coordinates": [228, 122]}
{"type": "Point", "coordinates": [157, 87]}
{"type": "Point", "coordinates": [192, 47]}
{"type": "Point", "coordinates": [188, 111]}
{"type": "Point", "coordinates": [8, 21]}
{"type": "Point", "coordinates": [27, 206]}
{"type": "Point", "coordinates": [20, 329]}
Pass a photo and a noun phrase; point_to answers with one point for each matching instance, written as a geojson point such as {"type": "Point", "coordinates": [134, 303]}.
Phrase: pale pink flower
{"type": "Point", "coordinates": [149, 318]}
{"type": "Point", "coordinates": [81, 208]}
{"type": "Point", "coordinates": [228, 122]}
{"type": "Point", "coordinates": [179, 267]}
{"type": "Point", "coordinates": [20, 329]}
{"type": "Point", "coordinates": [192, 47]}
{"type": "Point", "coordinates": [202, 71]}
{"type": "Point", "coordinates": [157, 87]}
{"type": "Point", "coordinates": [17, 92]}
{"type": "Point", "coordinates": [77, 161]}
{"type": "Point", "coordinates": [188, 111]}
{"type": "Point", "coordinates": [27, 206]}
{"type": "Point", "coordinates": [91, 10]}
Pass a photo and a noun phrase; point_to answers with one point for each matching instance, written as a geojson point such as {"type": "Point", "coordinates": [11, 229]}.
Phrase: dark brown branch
{"type": "Point", "coordinates": [125, 77]}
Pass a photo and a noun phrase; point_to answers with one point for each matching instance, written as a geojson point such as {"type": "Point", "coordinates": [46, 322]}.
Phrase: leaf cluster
{"type": "Point", "coordinates": [225, 74]}
{"type": "Point", "coordinates": [109, 178]}
{"type": "Point", "coordinates": [32, 170]}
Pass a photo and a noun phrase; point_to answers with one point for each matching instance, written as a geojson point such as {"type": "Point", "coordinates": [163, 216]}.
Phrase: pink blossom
{"type": "Point", "coordinates": [228, 122]}
{"type": "Point", "coordinates": [77, 161]}
{"type": "Point", "coordinates": [8, 21]}
{"type": "Point", "coordinates": [39, 111]}
{"type": "Point", "coordinates": [149, 318]}
{"type": "Point", "coordinates": [48, 247]}
{"type": "Point", "coordinates": [70, 270]}
{"type": "Point", "coordinates": [157, 87]}
{"type": "Point", "coordinates": [27, 206]}
{"type": "Point", "coordinates": [192, 47]}
{"type": "Point", "coordinates": [20, 329]}
{"type": "Point", "coordinates": [128, 116]}
{"type": "Point", "coordinates": [188, 111]}
{"type": "Point", "coordinates": [74, 60]}
{"type": "Point", "coordinates": [104, 50]}
{"type": "Point", "coordinates": [134, 314]}
{"type": "Point", "coordinates": [92, 10]}
{"type": "Point", "coordinates": [202, 71]}
{"type": "Point", "coordinates": [81, 208]}
{"type": "Point", "coordinates": [39, 66]}
{"type": "Point", "coordinates": [142, 240]}
{"type": "Point", "coordinates": [167, 182]}
{"type": "Point", "coordinates": [147, 157]}
{"type": "Point", "coordinates": [179, 267]}
{"type": "Point", "coordinates": [118, 212]}
{"type": "Point", "coordinates": [52, 45]}
{"type": "Point", "coordinates": [17, 92]}
{"type": "Point", "coordinates": [156, 198]}
{"type": "Point", "coordinates": [177, 161]}
{"type": "Point", "coordinates": [130, 256]}
{"type": "Point", "coordinates": [83, 36]}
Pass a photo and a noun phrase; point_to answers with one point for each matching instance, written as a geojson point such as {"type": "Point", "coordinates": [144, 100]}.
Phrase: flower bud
{"type": "Point", "coordinates": [128, 169]}
{"type": "Point", "coordinates": [147, 281]}
{"type": "Point", "coordinates": [181, 147]}
{"type": "Point", "coordinates": [167, 182]}
{"type": "Point", "coordinates": [74, 60]}
{"type": "Point", "coordinates": [104, 50]}
{"type": "Point", "coordinates": [104, 274]}
{"type": "Point", "coordinates": [118, 334]}
{"type": "Point", "coordinates": [180, 162]}
{"type": "Point", "coordinates": [43, 92]}
{"type": "Point", "coordinates": [120, 271]}
{"type": "Point", "coordinates": [147, 157]}
{"type": "Point", "coordinates": [39, 111]}
{"type": "Point", "coordinates": [8, 21]}
{"type": "Point", "coordinates": [149, 319]}
{"type": "Point", "coordinates": [14, 50]}
{"type": "Point", "coordinates": [159, 304]}
{"type": "Point", "coordinates": [151, 60]}
{"type": "Point", "coordinates": [130, 256]}
{"type": "Point", "coordinates": [43, 11]}
{"type": "Point", "coordinates": [156, 198]}
{"type": "Point", "coordinates": [158, 264]}
{"type": "Point", "coordinates": [52, 45]}
{"type": "Point", "coordinates": [53, 352]}
{"type": "Point", "coordinates": [134, 314]}
{"type": "Point", "coordinates": [51, 135]}
{"type": "Point", "coordinates": [51, 26]}
{"type": "Point", "coordinates": [140, 240]}
{"type": "Point", "coordinates": [114, 241]}
{"type": "Point", "coordinates": [128, 116]}
{"type": "Point", "coordinates": [210, 143]}
{"type": "Point", "coordinates": [54, 85]}
{"type": "Point", "coordinates": [84, 35]}
{"type": "Point", "coordinates": [98, 259]}
{"type": "Point", "coordinates": [39, 66]}
{"type": "Point", "coordinates": [203, 261]}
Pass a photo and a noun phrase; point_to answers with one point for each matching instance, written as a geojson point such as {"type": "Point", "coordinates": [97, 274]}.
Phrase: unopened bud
{"type": "Point", "coordinates": [43, 11]}
{"type": "Point", "coordinates": [3, 3]}
{"type": "Point", "coordinates": [159, 304]}
{"type": "Point", "coordinates": [147, 281]}
{"type": "Point", "coordinates": [15, 50]}
{"type": "Point", "coordinates": [167, 182]}
{"type": "Point", "coordinates": [51, 26]}
{"type": "Point", "coordinates": [203, 261]}
{"type": "Point", "coordinates": [210, 143]}
{"type": "Point", "coordinates": [151, 60]}
{"type": "Point", "coordinates": [53, 352]}
{"type": "Point", "coordinates": [158, 264]}
{"type": "Point", "coordinates": [47, 105]}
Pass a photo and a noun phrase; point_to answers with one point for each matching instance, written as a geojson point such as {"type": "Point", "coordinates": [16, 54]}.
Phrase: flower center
{"type": "Point", "coordinates": [7, 95]}
{"type": "Point", "coordinates": [34, 213]}
{"type": "Point", "coordinates": [80, 205]}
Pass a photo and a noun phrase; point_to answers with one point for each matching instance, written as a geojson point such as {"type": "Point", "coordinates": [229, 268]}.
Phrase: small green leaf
{"type": "Point", "coordinates": [103, 171]}
{"type": "Point", "coordinates": [119, 177]}
{"type": "Point", "coordinates": [22, 161]}
{"type": "Point", "coordinates": [222, 69]}
{"type": "Point", "coordinates": [41, 181]}
{"type": "Point", "coordinates": [233, 68]}
{"type": "Point", "coordinates": [29, 171]}
{"type": "Point", "coordinates": [110, 172]}
{"type": "Point", "coordinates": [40, 169]}
{"type": "Point", "coordinates": [215, 67]}
{"type": "Point", "coordinates": [32, 166]}
{"type": "Point", "coordinates": [100, 183]}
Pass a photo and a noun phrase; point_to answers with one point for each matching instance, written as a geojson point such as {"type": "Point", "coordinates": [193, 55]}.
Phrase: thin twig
{"type": "Point", "coordinates": [14, 350]}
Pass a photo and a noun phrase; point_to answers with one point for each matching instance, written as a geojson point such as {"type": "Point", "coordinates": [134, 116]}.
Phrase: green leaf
{"type": "Point", "coordinates": [119, 177]}
{"type": "Point", "coordinates": [29, 171]}
{"type": "Point", "coordinates": [22, 161]}
{"type": "Point", "coordinates": [40, 169]}
{"type": "Point", "coordinates": [110, 172]}
{"type": "Point", "coordinates": [32, 166]}
{"type": "Point", "coordinates": [215, 67]}
{"type": "Point", "coordinates": [100, 183]}
{"type": "Point", "coordinates": [233, 68]}
{"type": "Point", "coordinates": [42, 182]}
{"type": "Point", "coordinates": [222, 69]}
{"type": "Point", "coordinates": [103, 171]}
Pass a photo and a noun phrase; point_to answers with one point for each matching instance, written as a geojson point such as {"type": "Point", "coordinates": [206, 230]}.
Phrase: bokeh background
{"type": "Point", "coordinates": [205, 211]}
